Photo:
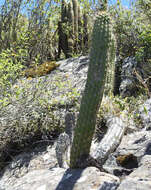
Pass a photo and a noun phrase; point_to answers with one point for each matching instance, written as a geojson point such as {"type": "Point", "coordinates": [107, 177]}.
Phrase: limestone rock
{"type": "Point", "coordinates": [144, 113]}
{"type": "Point", "coordinates": [128, 82]}
{"type": "Point", "coordinates": [38, 106]}
{"type": "Point", "coordinates": [71, 179]}
{"type": "Point", "coordinates": [129, 154]}
{"type": "Point", "coordinates": [140, 178]}
{"type": "Point", "coordinates": [135, 184]}
{"type": "Point", "coordinates": [63, 150]}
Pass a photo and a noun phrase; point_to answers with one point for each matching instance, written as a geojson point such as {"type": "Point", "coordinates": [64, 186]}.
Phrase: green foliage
{"type": "Point", "coordinates": [37, 112]}
{"type": "Point", "coordinates": [132, 26]}
{"type": "Point", "coordinates": [126, 28]}
{"type": "Point", "coordinates": [144, 49]}
{"type": "Point", "coordinates": [144, 7]}
{"type": "Point", "coordinates": [33, 26]}
{"type": "Point", "coordinates": [10, 67]}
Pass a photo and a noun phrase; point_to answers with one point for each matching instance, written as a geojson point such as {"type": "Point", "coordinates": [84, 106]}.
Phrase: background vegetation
{"type": "Point", "coordinates": [29, 32]}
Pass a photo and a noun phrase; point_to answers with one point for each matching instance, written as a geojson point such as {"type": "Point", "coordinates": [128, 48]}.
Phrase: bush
{"type": "Point", "coordinates": [144, 50]}
{"type": "Point", "coordinates": [10, 70]}
{"type": "Point", "coordinates": [132, 30]}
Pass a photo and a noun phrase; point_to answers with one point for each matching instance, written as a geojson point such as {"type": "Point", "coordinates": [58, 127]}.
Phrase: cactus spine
{"type": "Point", "coordinates": [93, 91]}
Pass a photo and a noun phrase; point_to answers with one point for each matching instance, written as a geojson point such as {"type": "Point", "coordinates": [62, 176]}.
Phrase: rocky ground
{"type": "Point", "coordinates": [43, 102]}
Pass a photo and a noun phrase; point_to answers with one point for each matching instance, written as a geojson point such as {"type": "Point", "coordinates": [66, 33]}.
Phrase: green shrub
{"type": "Point", "coordinates": [10, 69]}
{"type": "Point", "coordinates": [144, 49]}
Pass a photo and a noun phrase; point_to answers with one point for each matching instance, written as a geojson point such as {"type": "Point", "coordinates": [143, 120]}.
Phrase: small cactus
{"type": "Point", "coordinates": [94, 89]}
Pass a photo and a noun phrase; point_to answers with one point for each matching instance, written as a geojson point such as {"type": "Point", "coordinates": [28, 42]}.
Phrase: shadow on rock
{"type": "Point", "coordinates": [69, 179]}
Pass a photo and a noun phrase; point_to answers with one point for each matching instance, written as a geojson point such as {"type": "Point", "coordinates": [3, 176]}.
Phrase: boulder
{"type": "Point", "coordinates": [140, 178]}
{"type": "Point", "coordinates": [134, 76]}
{"type": "Point", "coordinates": [135, 184]}
{"type": "Point", "coordinates": [129, 154]}
{"type": "Point", "coordinates": [144, 114]}
{"type": "Point", "coordinates": [59, 178]}
{"type": "Point", "coordinates": [39, 170]}
{"type": "Point", "coordinates": [37, 106]}
{"type": "Point", "coordinates": [128, 81]}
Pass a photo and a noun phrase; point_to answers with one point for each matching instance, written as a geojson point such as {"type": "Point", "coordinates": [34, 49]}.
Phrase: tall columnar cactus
{"type": "Point", "coordinates": [70, 28]}
{"type": "Point", "coordinates": [85, 35]}
{"type": "Point", "coordinates": [63, 11]}
{"type": "Point", "coordinates": [109, 83]}
{"type": "Point", "coordinates": [79, 30]}
{"type": "Point", "coordinates": [75, 11]}
{"type": "Point", "coordinates": [70, 14]}
{"type": "Point", "coordinates": [65, 30]}
{"type": "Point", "coordinates": [93, 93]}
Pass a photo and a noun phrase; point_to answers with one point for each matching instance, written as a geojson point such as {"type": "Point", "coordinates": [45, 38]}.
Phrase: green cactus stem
{"type": "Point", "coordinates": [70, 28]}
{"type": "Point", "coordinates": [85, 35]}
{"type": "Point", "coordinates": [110, 77]}
{"type": "Point", "coordinates": [75, 11]}
{"type": "Point", "coordinates": [93, 93]}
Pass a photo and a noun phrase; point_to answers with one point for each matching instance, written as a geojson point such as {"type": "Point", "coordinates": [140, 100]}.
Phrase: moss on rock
{"type": "Point", "coordinates": [40, 70]}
